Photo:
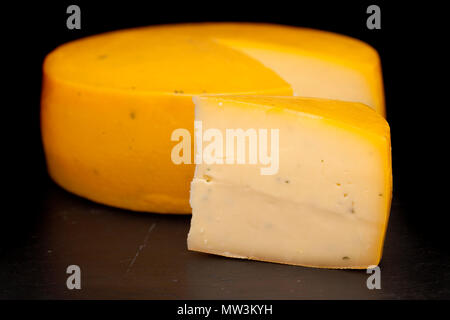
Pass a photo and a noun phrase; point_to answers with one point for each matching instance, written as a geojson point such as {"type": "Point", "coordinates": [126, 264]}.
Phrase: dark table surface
{"type": "Point", "coordinates": [127, 255]}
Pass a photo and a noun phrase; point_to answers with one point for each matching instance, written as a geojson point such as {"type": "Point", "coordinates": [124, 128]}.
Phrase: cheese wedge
{"type": "Point", "coordinates": [111, 102]}
{"type": "Point", "coordinates": [328, 203]}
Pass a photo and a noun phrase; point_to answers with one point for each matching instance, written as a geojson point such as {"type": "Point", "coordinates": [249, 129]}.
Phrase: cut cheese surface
{"type": "Point", "coordinates": [111, 102]}
{"type": "Point", "coordinates": [326, 206]}
{"type": "Point", "coordinates": [312, 76]}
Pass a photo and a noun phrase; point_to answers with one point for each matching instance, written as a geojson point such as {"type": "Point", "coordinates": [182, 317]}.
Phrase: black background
{"type": "Point", "coordinates": [410, 43]}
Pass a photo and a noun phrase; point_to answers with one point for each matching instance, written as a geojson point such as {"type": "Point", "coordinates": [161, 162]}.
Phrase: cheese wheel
{"type": "Point", "coordinates": [111, 102]}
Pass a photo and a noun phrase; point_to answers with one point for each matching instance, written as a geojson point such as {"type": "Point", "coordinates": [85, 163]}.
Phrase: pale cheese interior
{"type": "Point", "coordinates": [326, 206]}
{"type": "Point", "coordinates": [311, 76]}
